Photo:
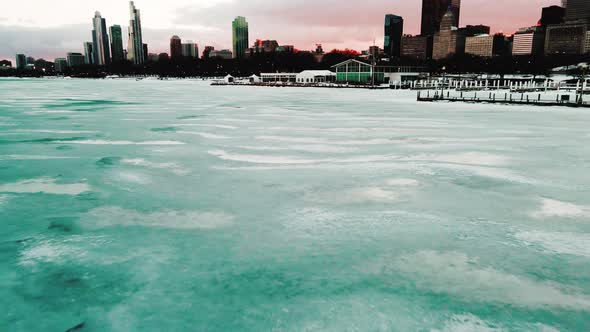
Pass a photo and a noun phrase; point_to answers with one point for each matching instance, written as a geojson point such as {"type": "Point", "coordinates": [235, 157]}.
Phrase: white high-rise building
{"type": "Point", "coordinates": [100, 41]}
{"type": "Point", "coordinates": [135, 52]}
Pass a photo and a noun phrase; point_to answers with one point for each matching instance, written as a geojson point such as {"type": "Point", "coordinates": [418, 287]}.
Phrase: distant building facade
{"type": "Point", "coordinates": [449, 40]}
{"type": "Point", "coordinates": [567, 38]}
{"type": "Point", "coordinates": [21, 61]}
{"type": "Point", "coordinates": [417, 47]}
{"type": "Point", "coordinates": [207, 51]}
{"type": "Point", "coordinates": [223, 54]}
{"type": "Point", "coordinates": [552, 15]}
{"type": "Point", "coordinates": [485, 46]}
{"type": "Point", "coordinates": [61, 65]}
{"type": "Point", "coordinates": [135, 52]}
{"type": "Point", "coordinates": [240, 37]}
{"type": "Point", "coordinates": [394, 29]}
{"type": "Point", "coordinates": [116, 43]}
{"type": "Point", "coordinates": [100, 41]}
{"type": "Point", "coordinates": [175, 47]}
{"type": "Point", "coordinates": [577, 10]}
{"type": "Point", "coordinates": [88, 53]}
{"type": "Point", "coordinates": [190, 50]}
{"type": "Point", "coordinates": [433, 12]}
{"type": "Point", "coordinates": [529, 41]}
{"type": "Point", "coordinates": [75, 60]}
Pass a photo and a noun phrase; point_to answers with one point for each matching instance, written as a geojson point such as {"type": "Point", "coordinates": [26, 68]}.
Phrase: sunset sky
{"type": "Point", "coordinates": [49, 29]}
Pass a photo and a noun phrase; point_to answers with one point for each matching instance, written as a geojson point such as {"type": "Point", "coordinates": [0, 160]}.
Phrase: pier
{"type": "Point", "coordinates": [507, 98]}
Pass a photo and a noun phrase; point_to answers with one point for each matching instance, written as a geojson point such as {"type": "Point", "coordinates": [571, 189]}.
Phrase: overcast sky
{"type": "Point", "coordinates": [49, 29]}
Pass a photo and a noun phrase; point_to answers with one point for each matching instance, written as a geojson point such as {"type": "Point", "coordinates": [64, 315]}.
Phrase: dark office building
{"type": "Point", "coordinates": [577, 10]}
{"type": "Point", "coordinates": [116, 43]}
{"type": "Point", "coordinates": [433, 12]}
{"type": "Point", "coordinates": [417, 47]}
{"type": "Point", "coordinates": [175, 47]}
{"type": "Point", "coordinates": [146, 55]}
{"type": "Point", "coordinates": [552, 15]}
{"type": "Point", "coordinates": [21, 61]}
{"type": "Point", "coordinates": [474, 30]}
{"type": "Point", "coordinates": [206, 51]}
{"type": "Point", "coordinates": [394, 29]}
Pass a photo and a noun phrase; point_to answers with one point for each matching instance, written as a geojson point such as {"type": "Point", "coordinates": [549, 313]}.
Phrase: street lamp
{"type": "Point", "coordinates": [584, 67]}
{"type": "Point", "coordinates": [442, 86]}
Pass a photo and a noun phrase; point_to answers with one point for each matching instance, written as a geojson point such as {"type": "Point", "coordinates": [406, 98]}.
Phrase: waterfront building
{"type": "Point", "coordinates": [417, 47]}
{"type": "Point", "coordinates": [207, 51]}
{"type": "Point", "coordinates": [75, 59]}
{"type": "Point", "coordinates": [486, 46]}
{"type": "Point", "coordinates": [175, 47]}
{"type": "Point", "coordinates": [449, 40]}
{"type": "Point", "coordinates": [577, 10]}
{"type": "Point", "coordinates": [116, 35]}
{"type": "Point", "coordinates": [240, 37]}
{"type": "Point", "coordinates": [135, 51]}
{"type": "Point", "coordinates": [394, 29]}
{"type": "Point", "coordinates": [278, 77]}
{"type": "Point", "coordinates": [21, 61]}
{"type": "Point", "coordinates": [5, 64]}
{"type": "Point", "coordinates": [567, 38]}
{"type": "Point", "coordinates": [190, 50]}
{"type": "Point", "coordinates": [88, 53]}
{"type": "Point", "coordinates": [100, 41]}
{"type": "Point", "coordinates": [315, 76]}
{"type": "Point", "coordinates": [30, 61]}
{"type": "Point", "coordinates": [552, 15]}
{"type": "Point", "coordinates": [358, 72]}
{"type": "Point", "coordinates": [223, 54]}
{"type": "Point", "coordinates": [433, 12]}
{"type": "Point", "coordinates": [61, 65]}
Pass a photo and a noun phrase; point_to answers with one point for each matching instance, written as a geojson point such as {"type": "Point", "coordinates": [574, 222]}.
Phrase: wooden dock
{"type": "Point", "coordinates": [501, 98]}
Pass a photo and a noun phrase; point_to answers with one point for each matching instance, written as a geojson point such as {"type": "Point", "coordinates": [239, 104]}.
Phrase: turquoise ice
{"type": "Point", "coordinates": [176, 206]}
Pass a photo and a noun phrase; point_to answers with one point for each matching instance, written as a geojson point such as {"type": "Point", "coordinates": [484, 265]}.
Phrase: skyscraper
{"type": "Point", "coordinates": [135, 52]}
{"type": "Point", "coordinates": [394, 29]}
{"type": "Point", "coordinates": [433, 12]}
{"type": "Point", "coordinates": [448, 40]}
{"type": "Point", "coordinates": [190, 50]}
{"type": "Point", "coordinates": [75, 59]}
{"type": "Point", "coordinates": [175, 47]}
{"type": "Point", "coordinates": [552, 15]}
{"type": "Point", "coordinates": [100, 41]}
{"type": "Point", "coordinates": [21, 61]}
{"type": "Point", "coordinates": [116, 43]}
{"type": "Point", "coordinates": [240, 37]}
{"type": "Point", "coordinates": [88, 53]}
{"type": "Point", "coordinates": [577, 10]}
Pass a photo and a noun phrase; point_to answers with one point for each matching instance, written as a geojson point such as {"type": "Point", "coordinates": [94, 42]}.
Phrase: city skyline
{"type": "Point", "coordinates": [334, 24]}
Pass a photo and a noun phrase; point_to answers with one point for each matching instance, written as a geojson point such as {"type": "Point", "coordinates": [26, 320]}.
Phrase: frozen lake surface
{"type": "Point", "coordinates": [176, 206]}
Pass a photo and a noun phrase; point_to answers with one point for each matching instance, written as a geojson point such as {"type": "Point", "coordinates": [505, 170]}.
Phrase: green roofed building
{"type": "Point", "coordinates": [358, 72]}
{"type": "Point", "coordinates": [355, 71]}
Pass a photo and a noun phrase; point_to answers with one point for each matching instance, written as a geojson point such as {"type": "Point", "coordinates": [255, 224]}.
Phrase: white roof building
{"type": "Point", "coordinates": [316, 76]}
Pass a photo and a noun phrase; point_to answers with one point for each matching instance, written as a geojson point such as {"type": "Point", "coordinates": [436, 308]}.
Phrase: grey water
{"type": "Point", "coordinates": [176, 206]}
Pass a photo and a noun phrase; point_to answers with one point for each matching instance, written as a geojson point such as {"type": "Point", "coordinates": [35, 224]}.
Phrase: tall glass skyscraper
{"type": "Point", "coordinates": [88, 53]}
{"type": "Point", "coordinates": [394, 29]}
{"type": "Point", "coordinates": [135, 52]}
{"type": "Point", "coordinates": [433, 12]}
{"type": "Point", "coordinates": [116, 43]}
{"type": "Point", "coordinates": [577, 10]}
{"type": "Point", "coordinates": [175, 47]}
{"type": "Point", "coordinates": [240, 37]}
{"type": "Point", "coordinates": [100, 41]}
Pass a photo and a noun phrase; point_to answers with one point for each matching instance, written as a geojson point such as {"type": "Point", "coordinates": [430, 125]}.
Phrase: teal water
{"type": "Point", "coordinates": [176, 206]}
